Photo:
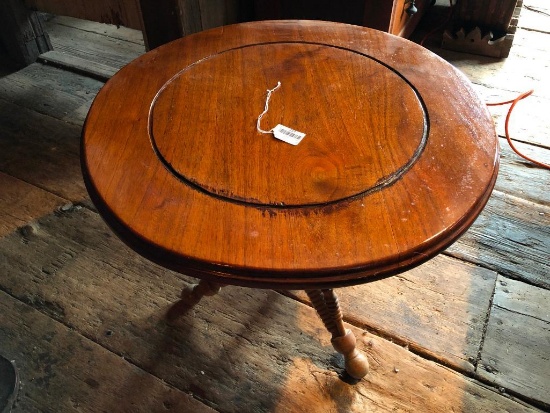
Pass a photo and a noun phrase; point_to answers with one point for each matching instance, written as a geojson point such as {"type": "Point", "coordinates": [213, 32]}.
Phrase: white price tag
{"type": "Point", "coordinates": [287, 134]}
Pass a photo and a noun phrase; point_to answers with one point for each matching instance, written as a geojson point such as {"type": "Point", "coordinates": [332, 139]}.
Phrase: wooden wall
{"type": "Point", "coordinates": [22, 37]}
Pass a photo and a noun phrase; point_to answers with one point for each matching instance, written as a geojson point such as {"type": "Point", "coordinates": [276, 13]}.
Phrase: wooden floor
{"type": "Point", "coordinates": [84, 317]}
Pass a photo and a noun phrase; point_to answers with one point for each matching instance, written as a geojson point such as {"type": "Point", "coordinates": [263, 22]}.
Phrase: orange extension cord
{"type": "Point", "coordinates": [512, 104]}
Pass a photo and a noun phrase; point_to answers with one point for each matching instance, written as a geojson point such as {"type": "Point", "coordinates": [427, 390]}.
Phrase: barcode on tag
{"type": "Point", "coordinates": [288, 135]}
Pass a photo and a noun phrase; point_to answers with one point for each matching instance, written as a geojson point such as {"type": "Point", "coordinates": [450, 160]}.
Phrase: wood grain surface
{"type": "Point", "coordinates": [400, 155]}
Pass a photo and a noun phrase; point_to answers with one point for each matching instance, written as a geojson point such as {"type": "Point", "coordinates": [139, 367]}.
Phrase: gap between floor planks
{"type": "Point", "coordinates": [519, 319]}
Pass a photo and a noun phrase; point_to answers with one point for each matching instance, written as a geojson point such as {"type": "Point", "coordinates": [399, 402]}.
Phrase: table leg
{"type": "Point", "coordinates": [343, 340]}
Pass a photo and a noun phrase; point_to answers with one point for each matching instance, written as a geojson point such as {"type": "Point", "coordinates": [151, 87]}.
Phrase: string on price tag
{"type": "Point", "coordinates": [281, 132]}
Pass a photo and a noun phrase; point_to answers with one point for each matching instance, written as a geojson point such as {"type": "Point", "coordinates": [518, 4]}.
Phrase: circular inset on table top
{"type": "Point", "coordinates": [345, 151]}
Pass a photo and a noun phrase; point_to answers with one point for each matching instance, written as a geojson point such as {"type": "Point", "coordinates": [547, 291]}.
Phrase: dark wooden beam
{"type": "Point", "coordinates": [161, 22]}
{"type": "Point", "coordinates": [22, 34]}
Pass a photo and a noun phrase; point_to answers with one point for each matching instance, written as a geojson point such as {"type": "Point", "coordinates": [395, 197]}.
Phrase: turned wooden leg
{"type": "Point", "coordinates": [192, 294]}
{"type": "Point", "coordinates": [343, 341]}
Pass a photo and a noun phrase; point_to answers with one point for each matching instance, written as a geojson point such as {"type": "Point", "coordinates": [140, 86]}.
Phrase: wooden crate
{"type": "Point", "coordinates": [484, 27]}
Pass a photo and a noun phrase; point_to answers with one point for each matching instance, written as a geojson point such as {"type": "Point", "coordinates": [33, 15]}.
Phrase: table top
{"type": "Point", "coordinates": [400, 155]}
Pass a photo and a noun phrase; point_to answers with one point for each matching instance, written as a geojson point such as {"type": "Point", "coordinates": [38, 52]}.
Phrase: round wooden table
{"type": "Point", "coordinates": [400, 156]}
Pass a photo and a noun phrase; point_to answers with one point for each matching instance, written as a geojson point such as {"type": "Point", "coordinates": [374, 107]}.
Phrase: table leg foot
{"type": "Point", "coordinates": [357, 364]}
{"type": "Point", "coordinates": [343, 340]}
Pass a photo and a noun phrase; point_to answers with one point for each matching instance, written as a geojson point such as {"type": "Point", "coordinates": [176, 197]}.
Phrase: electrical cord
{"type": "Point", "coordinates": [512, 104]}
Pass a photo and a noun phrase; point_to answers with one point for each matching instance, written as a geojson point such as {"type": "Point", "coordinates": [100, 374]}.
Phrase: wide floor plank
{"type": "Point", "coordinates": [243, 350]}
{"type": "Point", "coordinates": [76, 64]}
{"type": "Point", "coordinates": [519, 177]}
{"type": "Point", "coordinates": [90, 44]}
{"type": "Point", "coordinates": [41, 150]}
{"type": "Point", "coordinates": [50, 91]}
{"type": "Point", "coordinates": [62, 371]}
{"type": "Point", "coordinates": [512, 237]}
{"type": "Point", "coordinates": [108, 30]}
{"type": "Point", "coordinates": [528, 122]}
{"type": "Point", "coordinates": [95, 65]}
{"type": "Point", "coordinates": [22, 203]}
{"type": "Point", "coordinates": [516, 352]}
